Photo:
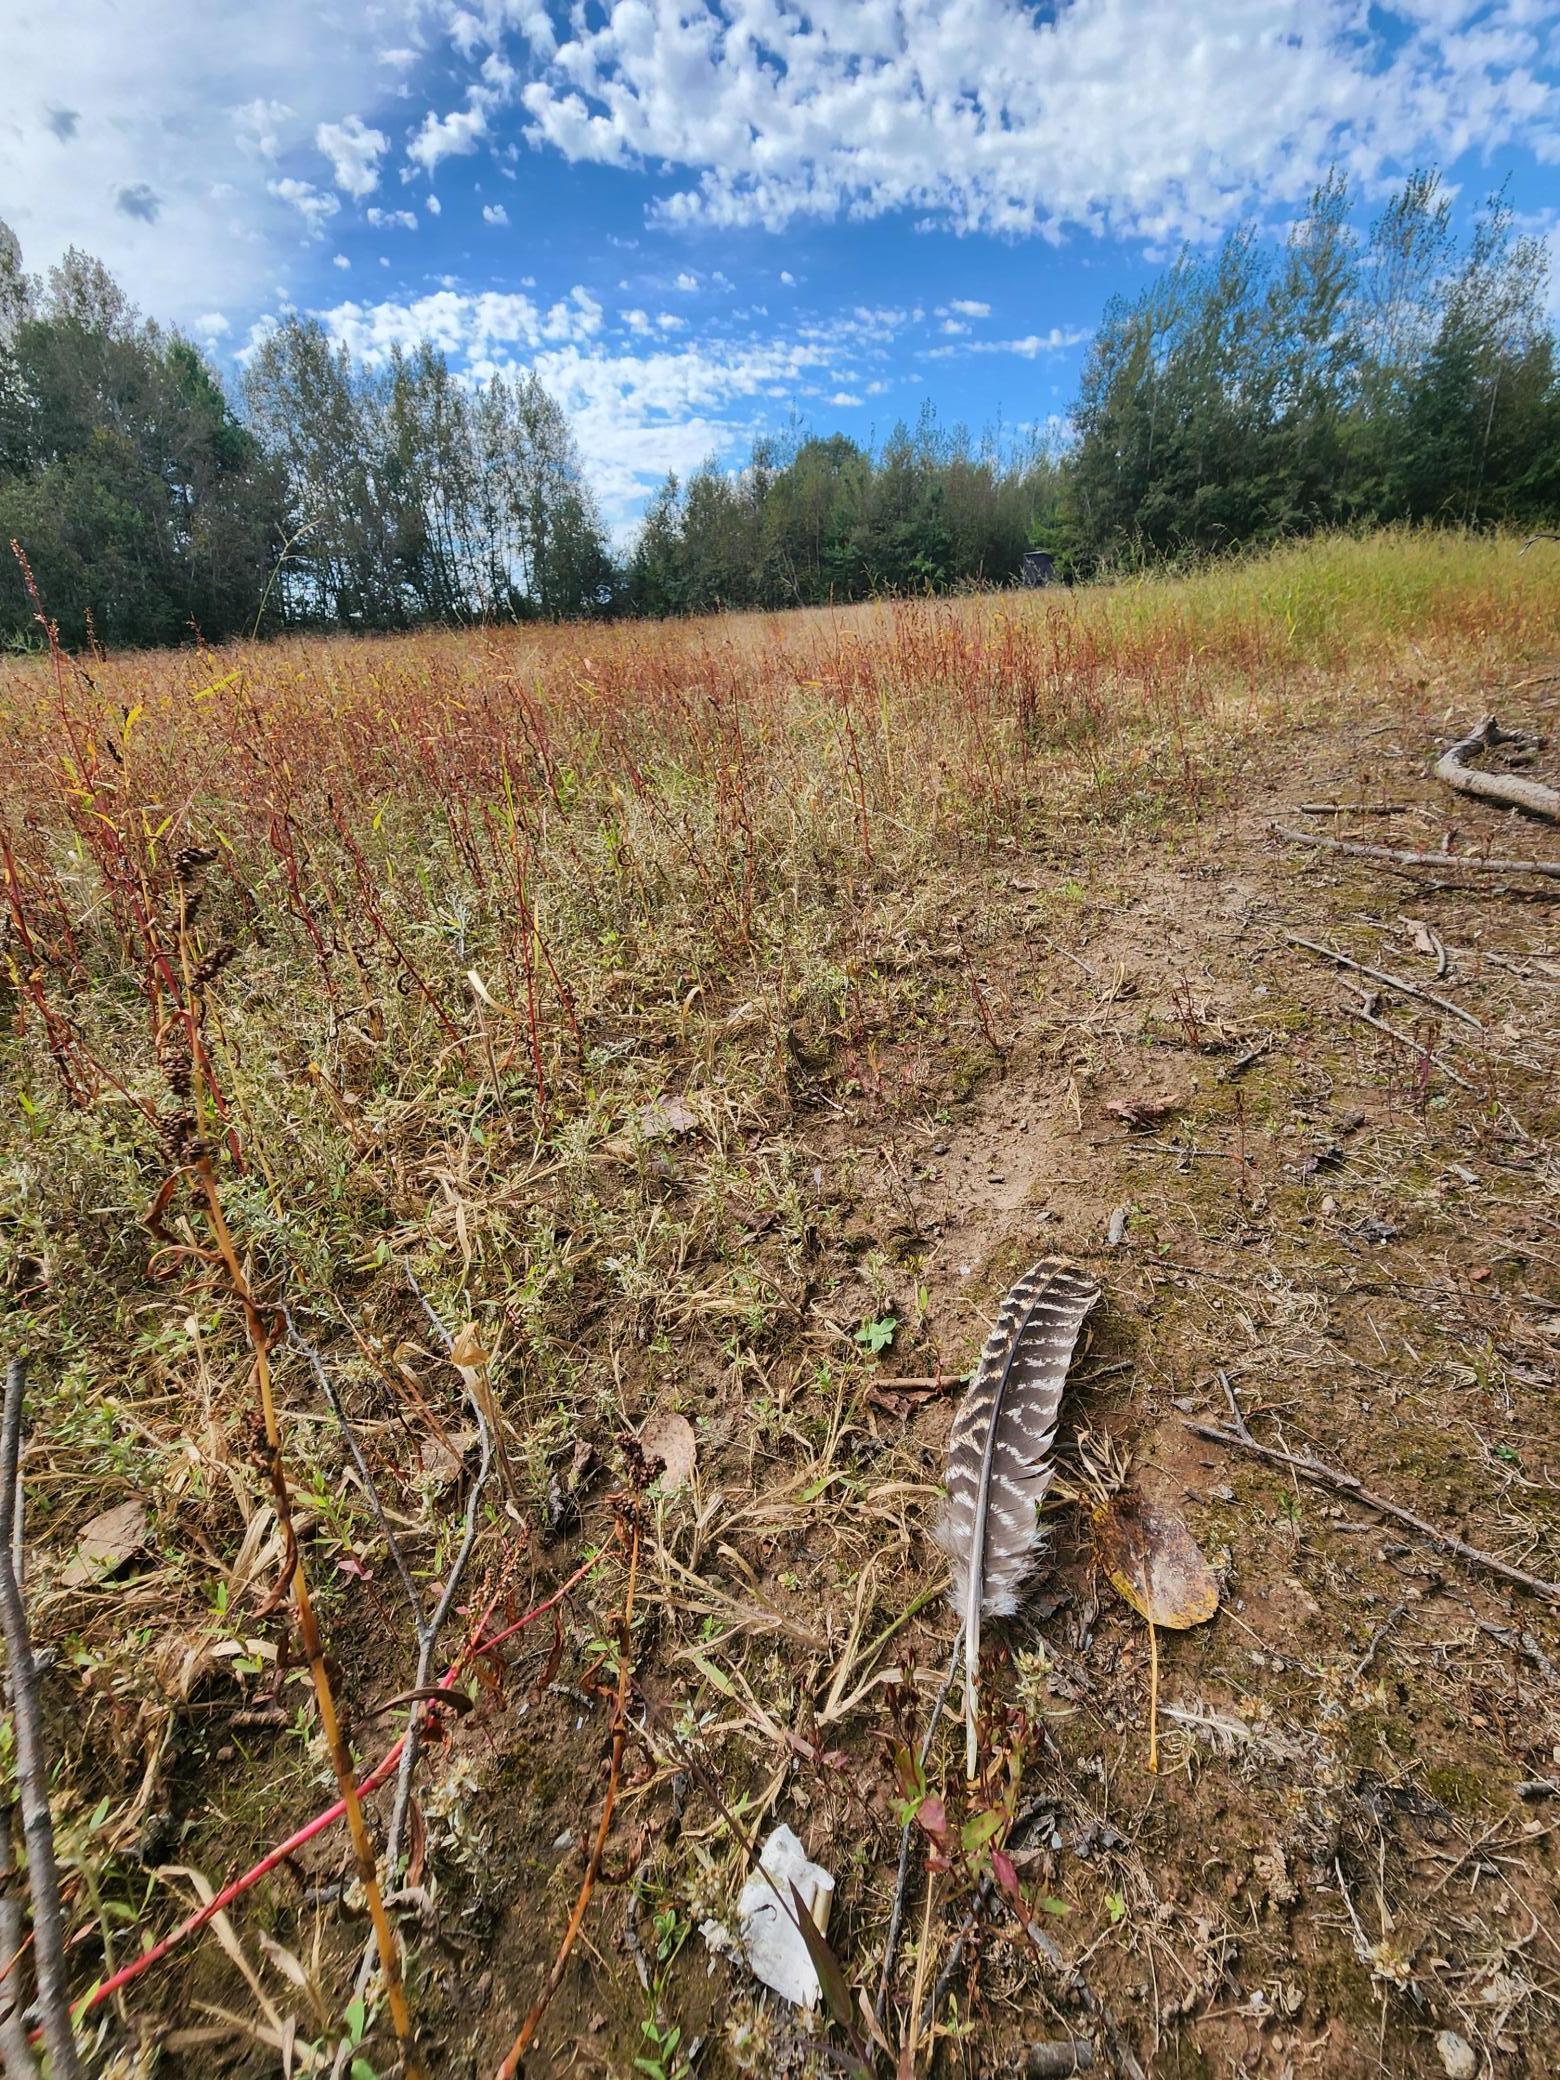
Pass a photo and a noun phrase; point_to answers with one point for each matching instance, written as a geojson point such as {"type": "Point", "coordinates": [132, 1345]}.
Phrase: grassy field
{"type": "Point", "coordinates": [428, 1062]}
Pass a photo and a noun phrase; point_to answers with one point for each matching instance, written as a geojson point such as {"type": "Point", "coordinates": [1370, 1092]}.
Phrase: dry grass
{"type": "Point", "coordinates": [672, 1004]}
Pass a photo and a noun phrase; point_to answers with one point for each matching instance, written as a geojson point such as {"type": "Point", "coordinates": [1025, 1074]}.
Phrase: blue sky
{"type": "Point", "coordinates": [702, 219]}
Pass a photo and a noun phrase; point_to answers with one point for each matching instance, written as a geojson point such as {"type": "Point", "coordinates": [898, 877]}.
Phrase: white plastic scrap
{"type": "Point", "coordinates": [776, 1953]}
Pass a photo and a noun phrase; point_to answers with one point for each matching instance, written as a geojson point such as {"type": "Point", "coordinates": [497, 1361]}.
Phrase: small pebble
{"type": "Point", "coordinates": [1457, 2056]}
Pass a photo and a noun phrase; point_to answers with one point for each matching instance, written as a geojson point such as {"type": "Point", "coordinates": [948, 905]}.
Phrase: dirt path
{"type": "Point", "coordinates": [1347, 1865]}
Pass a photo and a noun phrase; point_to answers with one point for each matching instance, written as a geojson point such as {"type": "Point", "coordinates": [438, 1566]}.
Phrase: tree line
{"type": "Point", "coordinates": [1270, 389]}
{"type": "Point", "coordinates": [151, 507]}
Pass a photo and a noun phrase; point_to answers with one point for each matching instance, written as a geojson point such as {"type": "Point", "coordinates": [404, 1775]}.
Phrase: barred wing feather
{"type": "Point", "coordinates": [999, 1453]}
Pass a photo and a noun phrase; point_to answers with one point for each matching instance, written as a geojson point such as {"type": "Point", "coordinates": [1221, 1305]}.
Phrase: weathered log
{"type": "Point", "coordinates": [1505, 790]}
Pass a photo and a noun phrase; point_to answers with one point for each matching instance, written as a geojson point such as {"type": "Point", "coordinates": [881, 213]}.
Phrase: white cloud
{"type": "Point", "coordinates": [391, 219]}
{"type": "Point", "coordinates": [448, 137]}
{"type": "Point", "coordinates": [314, 206]}
{"type": "Point", "coordinates": [259, 125]}
{"type": "Point", "coordinates": [354, 152]}
{"type": "Point", "coordinates": [200, 112]}
{"type": "Point", "coordinates": [340, 260]}
{"type": "Point", "coordinates": [686, 282]}
{"type": "Point", "coordinates": [788, 278]}
{"type": "Point", "coordinates": [433, 205]}
{"type": "Point", "coordinates": [494, 213]}
{"type": "Point", "coordinates": [1121, 116]}
{"type": "Point", "coordinates": [212, 325]}
{"type": "Point", "coordinates": [843, 398]}
{"type": "Point", "coordinates": [966, 308]}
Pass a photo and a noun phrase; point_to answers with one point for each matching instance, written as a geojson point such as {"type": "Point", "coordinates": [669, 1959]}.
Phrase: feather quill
{"type": "Point", "coordinates": [999, 1454]}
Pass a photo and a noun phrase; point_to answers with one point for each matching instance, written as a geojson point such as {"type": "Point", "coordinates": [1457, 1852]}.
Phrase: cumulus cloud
{"type": "Point", "coordinates": [391, 219]}
{"type": "Point", "coordinates": [314, 206]}
{"type": "Point", "coordinates": [203, 121]}
{"type": "Point", "coordinates": [965, 307]}
{"type": "Point", "coordinates": [448, 137]}
{"type": "Point", "coordinates": [354, 152]}
{"type": "Point", "coordinates": [997, 116]}
{"type": "Point", "coordinates": [259, 125]}
{"type": "Point", "coordinates": [212, 325]}
{"type": "Point", "coordinates": [494, 213]}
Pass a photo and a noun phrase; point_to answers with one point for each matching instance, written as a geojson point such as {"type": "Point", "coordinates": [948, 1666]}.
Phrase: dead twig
{"type": "Point", "coordinates": [1363, 1011]}
{"type": "Point", "coordinates": [32, 1765]}
{"type": "Point", "coordinates": [1455, 861]}
{"type": "Point", "coordinates": [1353, 808]}
{"type": "Point", "coordinates": [1325, 1476]}
{"type": "Point", "coordinates": [1408, 989]}
{"type": "Point", "coordinates": [1505, 790]}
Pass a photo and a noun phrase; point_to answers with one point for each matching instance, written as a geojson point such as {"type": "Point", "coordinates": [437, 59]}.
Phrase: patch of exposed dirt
{"type": "Point", "coordinates": [1350, 1847]}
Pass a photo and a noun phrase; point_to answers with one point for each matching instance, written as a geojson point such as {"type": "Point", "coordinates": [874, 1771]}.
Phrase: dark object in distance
{"type": "Point", "coordinates": [1038, 568]}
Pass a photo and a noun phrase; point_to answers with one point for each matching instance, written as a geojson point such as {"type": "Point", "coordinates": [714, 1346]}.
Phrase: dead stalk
{"type": "Point", "coordinates": [32, 1764]}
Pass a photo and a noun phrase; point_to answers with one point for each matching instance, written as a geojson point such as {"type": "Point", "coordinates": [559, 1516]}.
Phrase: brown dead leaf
{"type": "Point", "coordinates": [106, 1544]}
{"type": "Point", "coordinates": [669, 1438]}
{"type": "Point", "coordinates": [666, 1117]}
{"type": "Point", "coordinates": [466, 1352]}
{"type": "Point", "coordinates": [1141, 1112]}
{"type": "Point", "coordinates": [1154, 1562]}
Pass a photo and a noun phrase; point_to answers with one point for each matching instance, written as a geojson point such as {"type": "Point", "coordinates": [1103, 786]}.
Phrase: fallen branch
{"type": "Point", "coordinates": [1353, 808]}
{"type": "Point", "coordinates": [1407, 989]}
{"type": "Point", "coordinates": [1505, 790]}
{"type": "Point", "coordinates": [1326, 1476]}
{"type": "Point", "coordinates": [32, 1762]}
{"type": "Point", "coordinates": [1460, 861]}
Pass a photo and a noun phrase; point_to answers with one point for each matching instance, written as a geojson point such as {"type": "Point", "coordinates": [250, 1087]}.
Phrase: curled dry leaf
{"type": "Point", "coordinates": [1141, 1112]}
{"type": "Point", "coordinates": [1154, 1562]}
{"type": "Point", "coordinates": [106, 1544]}
{"type": "Point", "coordinates": [466, 1352]}
{"type": "Point", "coordinates": [669, 1438]}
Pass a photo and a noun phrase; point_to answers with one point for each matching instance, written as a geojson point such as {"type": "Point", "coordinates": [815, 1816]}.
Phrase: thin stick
{"type": "Point", "coordinates": [1457, 860]}
{"type": "Point", "coordinates": [511, 2065]}
{"type": "Point", "coordinates": [32, 1763]}
{"type": "Point", "coordinates": [1326, 1476]}
{"type": "Point", "coordinates": [1153, 1698]}
{"type": "Point", "coordinates": [1353, 808]}
{"type": "Point", "coordinates": [1409, 989]}
{"type": "Point", "coordinates": [901, 1880]}
{"type": "Point", "coordinates": [1407, 1040]}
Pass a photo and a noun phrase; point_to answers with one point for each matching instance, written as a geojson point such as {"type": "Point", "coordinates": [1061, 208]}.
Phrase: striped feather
{"type": "Point", "coordinates": [999, 1453]}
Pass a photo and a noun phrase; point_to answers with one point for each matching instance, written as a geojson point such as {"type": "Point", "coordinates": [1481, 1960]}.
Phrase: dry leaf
{"type": "Point", "coordinates": [1154, 1562]}
{"type": "Point", "coordinates": [665, 1117]}
{"type": "Point", "coordinates": [466, 1351]}
{"type": "Point", "coordinates": [670, 1439]}
{"type": "Point", "coordinates": [1142, 1112]}
{"type": "Point", "coordinates": [106, 1544]}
